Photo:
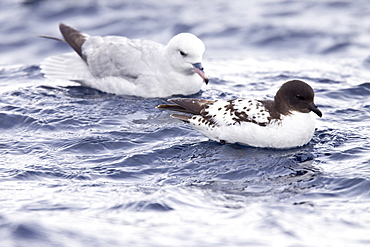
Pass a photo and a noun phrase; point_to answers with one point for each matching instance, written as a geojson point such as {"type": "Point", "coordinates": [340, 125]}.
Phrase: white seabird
{"type": "Point", "coordinates": [124, 66]}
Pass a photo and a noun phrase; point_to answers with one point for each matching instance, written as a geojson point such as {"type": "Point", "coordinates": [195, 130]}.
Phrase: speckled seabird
{"type": "Point", "coordinates": [125, 66]}
{"type": "Point", "coordinates": [285, 122]}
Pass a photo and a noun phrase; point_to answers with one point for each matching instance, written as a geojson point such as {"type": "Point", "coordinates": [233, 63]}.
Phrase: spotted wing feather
{"type": "Point", "coordinates": [236, 111]}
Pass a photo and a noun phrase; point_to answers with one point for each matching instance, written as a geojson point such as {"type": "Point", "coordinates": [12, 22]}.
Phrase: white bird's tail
{"type": "Point", "coordinates": [68, 66]}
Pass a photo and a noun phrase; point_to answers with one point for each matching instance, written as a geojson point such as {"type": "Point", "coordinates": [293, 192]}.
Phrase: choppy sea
{"type": "Point", "coordinates": [79, 167]}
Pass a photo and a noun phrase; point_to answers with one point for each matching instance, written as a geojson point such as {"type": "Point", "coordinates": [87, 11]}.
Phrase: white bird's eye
{"type": "Point", "coordinates": [183, 54]}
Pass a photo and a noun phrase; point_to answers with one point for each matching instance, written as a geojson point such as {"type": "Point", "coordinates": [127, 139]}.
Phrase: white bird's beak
{"type": "Point", "coordinates": [198, 68]}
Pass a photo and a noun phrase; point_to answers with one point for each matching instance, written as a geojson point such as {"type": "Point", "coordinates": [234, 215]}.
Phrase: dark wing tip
{"type": "Point", "coordinates": [176, 100]}
{"type": "Point", "coordinates": [73, 37]}
{"type": "Point", "coordinates": [187, 105]}
{"type": "Point", "coordinates": [50, 37]}
{"type": "Point", "coordinates": [182, 117]}
{"type": "Point", "coordinates": [174, 107]}
{"type": "Point", "coordinates": [166, 106]}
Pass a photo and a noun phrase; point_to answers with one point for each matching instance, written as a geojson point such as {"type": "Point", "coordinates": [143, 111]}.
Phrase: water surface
{"type": "Point", "coordinates": [79, 167]}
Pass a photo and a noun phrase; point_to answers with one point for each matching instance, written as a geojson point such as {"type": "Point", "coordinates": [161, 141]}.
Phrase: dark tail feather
{"type": "Point", "coordinates": [73, 37]}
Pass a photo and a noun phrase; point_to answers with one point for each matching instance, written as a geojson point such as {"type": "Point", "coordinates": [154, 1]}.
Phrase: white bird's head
{"type": "Point", "coordinates": [185, 52]}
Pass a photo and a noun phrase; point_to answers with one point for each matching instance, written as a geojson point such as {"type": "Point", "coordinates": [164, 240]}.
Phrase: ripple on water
{"type": "Point", "coordinates": [74, 158]}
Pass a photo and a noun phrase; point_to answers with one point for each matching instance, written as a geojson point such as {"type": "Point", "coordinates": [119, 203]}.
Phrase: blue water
{"type": "Point", "coordinates": [79, 167]}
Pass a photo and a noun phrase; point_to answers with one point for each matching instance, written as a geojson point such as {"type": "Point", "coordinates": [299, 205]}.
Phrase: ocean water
{"type": "Point", "coordinates": [79, 167]}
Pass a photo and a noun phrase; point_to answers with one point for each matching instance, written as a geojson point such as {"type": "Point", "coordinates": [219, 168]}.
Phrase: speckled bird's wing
{"type": "Point", "coordinates": [236, 111]}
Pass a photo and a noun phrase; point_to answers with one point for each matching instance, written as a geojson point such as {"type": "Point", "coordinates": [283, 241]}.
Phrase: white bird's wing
{"type": "Point", "coordinates": [121, 57]}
